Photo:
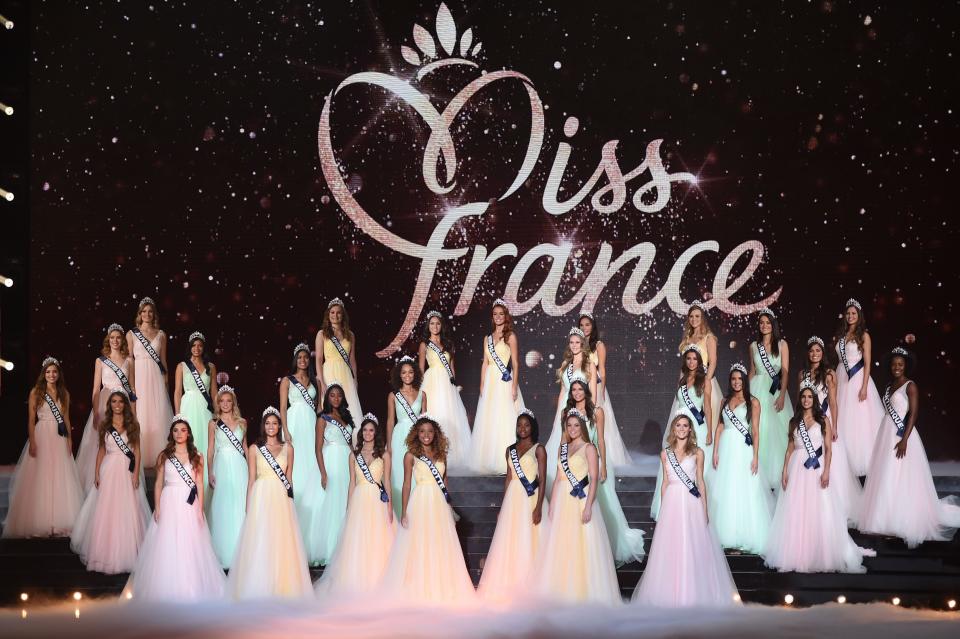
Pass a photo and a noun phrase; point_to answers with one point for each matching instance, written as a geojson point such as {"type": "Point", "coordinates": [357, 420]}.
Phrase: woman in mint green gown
{"type": "Point", "coordinates": [298, 412]}
{"type": "Point", "coordinates": [769, 373]}
{"type": "Point", "coordinates": [405, 403]}
{"type": "Point", "coordinates": [193, 400]}
{"type": "Point", "coordinates": [334, 444]}
{"type": "Point", "coordinates": [227, 461]}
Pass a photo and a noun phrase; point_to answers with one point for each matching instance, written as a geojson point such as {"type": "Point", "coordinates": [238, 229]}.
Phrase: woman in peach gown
{"type": "Point", "coordinates": [575, 564]}
{"type": "Point", "coordinates": [361, 557]}
{"type": "Point", "coordinates": [426, 564]}
{"type": "Point", "coordinates": [148, 346]}
{"type": "Point", "coordinates": [109, 530]}
{"type": "Point", "coordinates": [520, 526]}
{"type": "Point", "coordinates": [45, 492]}
{"type": "Point", "coordinates": [336, 354]}
{"type": "Point", "coordinates": [270, 561]}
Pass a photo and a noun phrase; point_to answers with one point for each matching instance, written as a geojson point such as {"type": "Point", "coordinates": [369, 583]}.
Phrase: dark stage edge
{"type": "Point", "coordinates": [927, 576]}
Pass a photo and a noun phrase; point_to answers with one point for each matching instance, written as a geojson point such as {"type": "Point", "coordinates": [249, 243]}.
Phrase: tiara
{"type": "Point", "coordinates": [370, 417]}
{"type": "Point", "coordinates": [270, 410]}
{"type": "Point", "coordinates": [405, 358]}
{"type": "Point", "coordinates": [300, 347]}
{"type": "Point", "coordinates": [335, 302]}
{"type": "Point", "coordinates": [197, 335]}
{"type": "Point", "coordinates": [226, 388]}
{"type": "Point", "coordinates": [147, 300]}
{"type": "Point", "coordinates": [500, 302]}
{"type": "Point", "coordinates": [808, 383]}
{"type": "Point", "coordinates": [698, 304]}
{"type": "Point", "coordinates": [692, 347]}
{"type": "Point", "coordinates": [178, 418]}
{"type": "Point", "coordinates": [587, 314]}
{"type": "Point", "coordinates": [426, 415]}
{"type": "Point", "coordinates": [737, 366]}
{"type": "Point", "coordinates": [854, 303]}
{"type": "Point", "coordinates": [48, 361]}
{"type": "Point", "coordinates": [576, 331]}
{"type": "Point", "coordinates": [578, 376]}
{"type": "Point", "coordinates": [433, 314]}
{"type": "Point", "coordinates": [815, 340]}
{"type": "Point", "coordinates": [114, 327]}
{"type": "Point", "coordinates": [899, 350]}
{"type": "Point", "coordinates": [334, 383]}
{"type": "Point", "coordinates": [119, 391]}
{"type": "Point", "coordinates": [680, 413]}
{"type": "Point", "coordinates": [528, 413]}
{"type": "Point", "coordinates": [575, 412]}
{"type": "Point", "coordinates": [766, 311]}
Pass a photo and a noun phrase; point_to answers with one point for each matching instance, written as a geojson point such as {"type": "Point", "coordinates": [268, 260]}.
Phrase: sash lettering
{"type": "Point", "coordinates": [222, 426]}
{"type": "Point", "coordinates": [304, 392]}
{"type": "Point", "coordinates": [198, 380]}
{"type": "Point", "coordinates": [122, 445]}
{"type": "Point", "coordinates": [899, 422]}
{"type": "Point", "coordinates": [405, 405]}
{"type": "Point", "coordinates": [282, 476]}
{"type": "Point", "coordinates": [343, 353]}
{"type": "Point", "coordinates": [813, 456]}
{"type": "Point", "coordinates": [732, 418]}
{"type": "Point", "coordinates": [185, 476]}
{"type": "Point", "coordinates": [697, 413]}
{"type": "Point", "coordinates": [768, 366]}
{"type": "Point", "coordinates": [842, 347]}
{"type": "Point", "coordinates": [529, 486]}
{"type": "Point", "coordinates": [147, 346]}
{"type": "Point", "coordinates": [576, 485]}
{"type": "Point", "coordinates": [504, 369]}
{"type": "Point", "coordinates": [124, 382]}
{"type": "Point", "coordinates": [443, 360]}
{"type": "Point", "coordinates": [437, 477]}
{"type": "Point", "coordinates": [362, 463]}
{"type": "Point", "coordinates": [343, 429]}
{"type": "Point", "coordinates": [57, 415]}
{"type": "Point", "coordinates": [681, 474]}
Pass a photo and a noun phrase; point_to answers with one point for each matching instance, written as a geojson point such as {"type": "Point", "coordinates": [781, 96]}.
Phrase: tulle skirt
{"type": "Point", "coordinates": [845, 484]}
{"type": "Point", "coordinates": [398, 448]}
{"type": "Point", "coordinates": [900, 498]}
{"type": "Point", "coordinates": [858, 421]}
{"type": "Point", "coordinates": [617, 454]}
{"type": "Point", "coordinates": [443, 400]}
{"type": "Point", "coordinates": [45, 492]}
{"type": "Point", "coordinates": [809, 531]}
{"type": "Point", "coordinates": [270, 561]}
{"type": "Point", "coordinates": [177, 561]}
{"type": "Point", "coordinates": [575, 564]}
{"type": "Point", "coordinates": [741, 505]}
{"type": "Point", "coordinates": [357, 565]}
{"type": "Point", "coordinates": [228, 503]}
{"type": "Point", "coordinates": [426, 565]}
{"type": "Point", "coordinates": [333, 510]}
{"type": "Point", "coordinates": [154, 411]}
{"type": "Point", "coordinates": [90, 443]}
{"type": "Point", "coordinates": [308, 492]}
{"type": "Point", "coordinates": [193, 408]}
{"type": "Point", "coordinates": [626, 542]}
{"type": "Point", "coordinates": [774, 432]}
{"type": "Point", "coordinates": [516, 541]}
{"type": "Point", "coordinates": [109, 530]}
{"type": "Point", "coordinates": [495, 425]}
{"type": "Point", "coordinates": [336, 370]}
{"type": "Point", "coordinates": [686, 565]}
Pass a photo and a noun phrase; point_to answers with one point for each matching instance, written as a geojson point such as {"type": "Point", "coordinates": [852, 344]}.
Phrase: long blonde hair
{"type": "Point", "coordinates": [236, 406]}
{"type": "Point", "coordinates": [568, 358]}
{"type": "Point", "coordinates": [691, 446]}
{"type": "Point", "coordinates": [688, 329]}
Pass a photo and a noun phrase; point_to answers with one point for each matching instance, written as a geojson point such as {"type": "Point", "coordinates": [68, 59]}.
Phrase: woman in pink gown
{"type": "Point", "coordinates": [45, 492]}
{"type": "Point", "coordinates": [148, 345]}
{"type": "Point", "coordinates": [110, 527]}
{"type": "Point", "coordinates": [178, 536]}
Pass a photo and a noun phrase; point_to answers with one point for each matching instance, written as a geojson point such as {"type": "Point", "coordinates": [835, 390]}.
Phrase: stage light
{"type": "Point", "coordinates": [841, 599]}
{"type": "Point", "coordinates": [952, 604]}
{"type": "Point", "coordinates": [129, 595]}
{"type": "Point", "coordinates": [77, 596]}
{"type": "Point", "coordinates": [6, 281]}
{"type": "Point", "coordinates": [6, 108]}
{"type": "Point", "coordinates": [736, 597]}
{"type": "Point", "coordinates": [5, 194]}
{"type": "Point", "coordinates": [7, 366]}
{"type": "Point", "coordinates": [76, 613]}
{"type": "Point", "coordinates": [895, 601]}
{"type": "Point", "coordinates": [23, 613]}
{"type": "Point", "coordinates": [788, 599]}
{"type": "Point", "coordinates": [7, 23]}
{"type": "Point", "coordinates": [24, 596]}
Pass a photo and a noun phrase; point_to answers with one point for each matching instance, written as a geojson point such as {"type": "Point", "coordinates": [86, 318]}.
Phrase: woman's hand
{"type": "Point", "coordinates": [862, 395]}
{"type": "Point", "coordinates": [156, 514]}
{"type": "Point", "coordinates": [783, 479]}
{"type": "Point", "coordinates": [603, 472]}
{"type": "Point", "coordinates": [212, 480]}
{"type": "Point", "coordinates": [824, 479]}
{"type": "Point", "coordinates": [901, 448]}
{"type": "Point", "coordinates": [537, 515]}
{"type": "Point", "coordinates": [778, 405]}
{"type": "Point", "coordinates": [323, 480]}
{"type": "Point", "coordinates": [755, 465]}
{"type": "Point", "coordinates": [403, 521]}
{"type": "Point", "coordinates": [716, 458]}
{"type": "Point", "coordinates": [136, 481]}
{"type": "Point", "coordinates": [587, 515]}
{"type": "Point", "coordinates": [33, 448]}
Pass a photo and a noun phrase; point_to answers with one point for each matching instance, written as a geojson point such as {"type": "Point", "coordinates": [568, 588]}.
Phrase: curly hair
{"type": "Point", "coordinates": [396, 383]}
{"type": "Point", "coordinates": [441, 445]}
{"type": "Point", "coordinates": [379, 439]}
{"type": "Point", "coordinates": [589, 406]}
{"type": "Point", "coordinates": [327, 328]}
{"type": "Point", "coordinates": [40, 387]}
{"type": "Point", "coordinates": [327, 407]}
{"type": "Point", "coordinates": [130, 423]}
{"type": "Point", "coordinates": [747, 397]}
{"type": "Point", "coordinates": [105, 350]}
{"type": "Point", "coordinates": [446, 340]}
{"type": "Point", "coordinates": [192, 453]}
{"type": "Point", "coordinates": [699, 377]}
{"type": "Point", "coordinates": [798, 412]}
{"type": "Point", "coordinates": [859, 329]}
{"type": "Point", "coordinates": [691, 445]}
{"type": "Point", "coordinates": [568, 358]}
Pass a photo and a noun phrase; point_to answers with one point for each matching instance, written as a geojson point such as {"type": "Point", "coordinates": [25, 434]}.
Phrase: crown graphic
{"type": "Point", "coordinates": [428, 57]}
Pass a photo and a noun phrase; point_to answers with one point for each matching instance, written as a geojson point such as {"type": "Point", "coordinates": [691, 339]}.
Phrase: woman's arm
{"type": "Point", "coordinates": [786, 463]}
{"type": "Point", "coordinates": [832, 402]}
{"type": "Point", "coordinates": [593, 472]}
{"type": "Point", "coordinates": [284, 389]}
{"type": "Point", "coordinates": [386, 484]}
{"type": "Point", "coordinates": [136, 466]}
{"type": "Point", "coordinates": [702, 485]}
{"type": "Point", "coordinates": [755, 434]}
{"type": "Point", "coordinates": [601, 372]}
{"type": "Point", "coordinates": [913, 397]}
{"type": "Point", "coordinates": [158, 489]}
{"type": "Point", "coordinates": [163, 358]}
{"type": "Point", "coordinates": [867, 350]}
{"type": "Point", "coordinates": [422, 357]}
{"type": "Point", "coordinates": [212, 370]}
{"type": "Point", "coordinates": [423, 403]}
{"type": "Point", "coordinates": [663, 485]}
{"type": "Point", "coordinates": [211, 450]}
{"type": "Point", "coordinates": [717, 432]}
{"type": "Point", "coordinates": [784, 375]}
{"type": "Point", "coordinates": [599, 419]}
{"type": "Point", "coordinates": [542, 481]}
{"type": "Point", "coordinates": [711, 356]}
{"type": "Point", "coordinates": [708, 408]}
{"type": "Point", "coordinates": [320, 427]}
{"type": "Point", "coordinates": [391, 421]}
{"type": "Point", "coordinates": [289, 469]}
{"type": "Point", "coordinates": [515, 358]}
{"type": "Point", "coordinates": [101, 452]}
{"type": "Point", "coordinates": [407, 474]}
{"type": "Point", "coordinates": [318, 360]}
{"type": "Point", "coordinates": [753, 368]}
{"type": "Point", "coordinates": [483, 369]}
{"type": "Point", "coordinates": [251, 473]}
{"type": "Point", "coordinates": [198, 480]}
{"type": "Point", "coordinates": [592, 377]}
{"type": "Point", "coordinates": [32, 403]}
{"type": "Point", "coordinates": [97, 383]}
{"type": "Point", "coordinates": [827, 452]}
{"type": "Point", "coordinates": [178, 387]}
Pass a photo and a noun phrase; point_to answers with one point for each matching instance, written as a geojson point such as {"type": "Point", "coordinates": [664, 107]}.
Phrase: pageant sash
{"type": "Point", "coordinates": [768, 366]}
{"type": "Point", "coordinates": [732, 418]}
{"type": "Point", "coordinates": [362, 463]}
{"type": "Point", "coordinates": [276, 469]}
{"type": "Point", "coordinates": [122, 445]}
{"type": "Point", "coordinates": [899, 422]}
{"type": "Point", "coordinates": [198, 380]}
{"type": "Point", "coordinates": [569, 374]}
{"type": "Point", "coordinates": [504, 369]}
{"type": "Point", "coordinates": [343, 429]}
{"type": "Point", "coordinates": [820, 388]}
{"type": "Point", "coordinates": [842, 344]}
{"type": "Point", "coordinates": [343, 353]}
{"type": "Point", "coordinates": [682, 474]}
{"type": "Point", "coordinates": [124, 381]}
{"type": "Point", "coordinates": [813, 456]}
{"type": "Point", "coordinates": [443, 360]}
{"type": "Point", "coordinates": [185, 476]}
{"type": "Point", "coordinates": [231, 437]}
{"type": "Point", "coordinates": [576, 485]}
{"type": "Point", "coordinates": [147, 346]}
{"type": "Point", "coordinates": [304, 392]}
{"type": "Point", "coordinates": [405, 405]}
{"type": "Point", "coordinates": [437, 477]}
{"type": "Point", "coordinates": [698, 414]}
{"type": "Point", "coordinates": [529, 486]}
{"type": "Point", "coordinates": [57, 415]}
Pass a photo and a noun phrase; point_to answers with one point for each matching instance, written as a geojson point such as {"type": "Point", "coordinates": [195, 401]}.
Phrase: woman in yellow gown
{"type": "Point", "coordinates": [336, 354]}
{"type": "Point", "coordinates": [270, 561]}
{"type": "Point", "coordinates": [576, 563]}
{"type": "Point", "coordinates": [426, 564]}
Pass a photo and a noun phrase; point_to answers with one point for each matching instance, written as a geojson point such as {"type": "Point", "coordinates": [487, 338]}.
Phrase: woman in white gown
{"type": "Point", "coordinates": [617, 454]}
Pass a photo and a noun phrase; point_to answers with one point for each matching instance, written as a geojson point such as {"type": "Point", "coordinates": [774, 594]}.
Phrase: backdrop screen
{"type": "Point", "coordinates": [244, 163]}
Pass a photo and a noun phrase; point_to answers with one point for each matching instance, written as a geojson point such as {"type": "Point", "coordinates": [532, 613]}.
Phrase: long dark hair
{"type": "Point", "coordinates": [203, 356]}
{"type": "Point", "coordinates": [507, 322]}
{"type": "Point", "coordinates": [379, 439]}
{"type": "Point", "coordinates": [859, 329]}
{"type": "Point", "coordinates": [748, 398]}
{"type": "Point", "coordinates": [130, 423]}
{"type": "Point", "coordinates": [594, 336]}
{"type": "Point", "coordinates": [699, 377]}
{"type": "Point", "coordinates": [40, 386]}
{"type": "Point", "coordinates": [327, 407]}
{"type": "Point", "coordinates": [798, 412]}
{"type": "Point", "coordinates": [311, 366]}
{"type": "Point", "coordinates": [192, 453]}
{"type": "Point", "coordinates": [587, 399]}
{"type": "Point", "coordinates": [819, 376]}
{"type": "Point", "coordinates": [262, 435]}
{"type": "Point", "coordinates": [327, 327]}
{"type": "Point", "coordinates": [396, 383]}
{"type": "Point", "coordinates": [774, 333]}
{"type": "Point", "coordinates": [534, 427]}
{"type": "Point", "coordinates": [446, 341]}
